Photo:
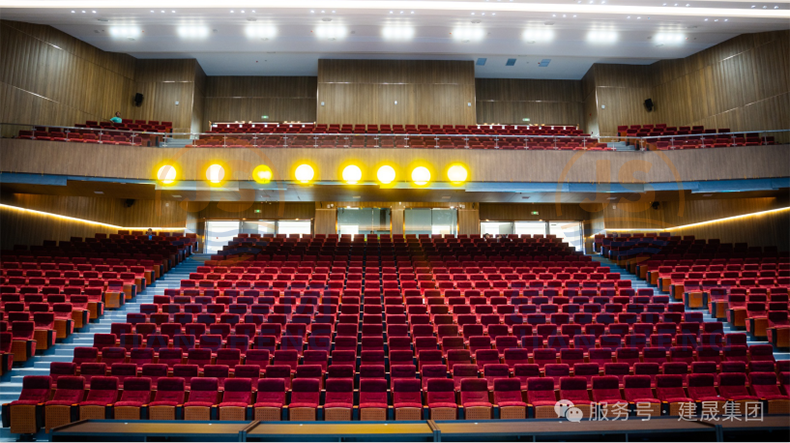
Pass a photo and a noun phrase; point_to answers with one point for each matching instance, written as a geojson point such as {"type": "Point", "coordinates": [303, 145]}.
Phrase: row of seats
{"type": "Point", "coordinates": [437, 398]}
{"type": "Point", "coordinates": [312, 128]}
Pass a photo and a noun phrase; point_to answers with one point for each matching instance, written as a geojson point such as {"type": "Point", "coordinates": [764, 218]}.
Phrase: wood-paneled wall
{"type": "Point", "coordinates": [770, 229]}
{"type": "Point", "coordinates": [28, 228]}
{"type": "Point", "coordinates": [742, 84]}
{"type": "Point", "coordinates": [548, 102]}
{"type": "Point", "coordinates": [48, 77]}
{"type": "Point", "coordinates": [365, 91]}
{"type": "Point", "coordinates": [269, 210]}
{"type": "Point", "coordinates": [163, 83]}
{"type": "Point", "coordinates": [325, 221]}
{"type": "Point", "coordinates": [199, 100]}
{"type": "Point", "coordinates": [250, 98]}
{"type": "Point", "coordinates": [620, 93]}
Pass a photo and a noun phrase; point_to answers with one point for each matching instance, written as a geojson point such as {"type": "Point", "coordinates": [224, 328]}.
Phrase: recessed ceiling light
{"type": "Point", "coordinates": [706, 19]}
{"type": "Point", "coordinates": [83, 12]}
{"type": "Point", "coordinates": [76, 11]}
{"type": "Point", "coordinates": [753, 6]}
{"type": "Point", "coordinates": [312, 12]}
{"type": "Point", "coordinates": [726, 19]}
{"type": "Point", "coordinates": [93, 12]}
{"type": "Point", "coordinates": [412, 12]}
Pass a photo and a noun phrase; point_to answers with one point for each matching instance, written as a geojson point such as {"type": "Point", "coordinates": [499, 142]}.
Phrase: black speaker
{"type": "Point", "coordinates": [129, 202]}
{"type": "Point", "coordinates": [138, 99]}
{"type": "Point", "coordinates": [655, 205]}
{"type": "Point", "coordinates": [649, 104]}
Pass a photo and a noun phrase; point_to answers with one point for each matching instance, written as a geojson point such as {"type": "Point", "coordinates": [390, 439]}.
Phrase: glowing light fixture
{"type": "Point", "coordinates": [386, 174]}
{"type": "Point", "coordinates": [166, 174]}
{"type": "Point", "coordinates": [538, 35]}
{"type": "Point", "coordinates": [261, 32]}
{"type": "Point", "coordinates": [421, 176]}
{"type": "Point", "coordinates": [457, 174]}
{"type": "Point", "coordinates": [125, 32]}
{"type": "Point", "coordinates": [262, 174]}
{"type": "Point", "coordinates": [331, 32]}
{"type": "Point", "coordinates": [83, 221]}
{"type": "Point", "coordinates": [215, 174]}
{"type": "Point", "coordinates": [304, 173]}
{"type": "Point", "coordinates": [352, 174]}
{"type": "Point", "coordinates": [703, 223]}
{"type": "Point", "coordinates": [601, 36]}
{"type": "Point", "coordinates": [670, 38]}
{"type": "Point", "coordinates": [193, 32]}
{"type": "Point", "coordinates": [468, 34]}
{"type": "Point", "coordinates": [397, 32]}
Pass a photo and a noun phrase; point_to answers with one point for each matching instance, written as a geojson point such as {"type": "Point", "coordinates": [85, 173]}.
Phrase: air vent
{"type": "Point", "coordinates": [510, 62]}
{"type": "Point", "coordinates": [481, 61]}
{"type": "Point", "coordinates": [544, 63]}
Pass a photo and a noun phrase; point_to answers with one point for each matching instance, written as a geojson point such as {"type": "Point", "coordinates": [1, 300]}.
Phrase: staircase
{"type": "Point", "coordinates": [11, 383]}
{"type": "Point", "coordinates": [638, 283]}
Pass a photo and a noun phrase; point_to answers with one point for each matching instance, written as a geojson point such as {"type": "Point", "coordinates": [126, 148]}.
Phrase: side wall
{"type": "Point", "coordinates": [543, 102]}
{"type": "Point", "coordinates": [763, 230]}
{"type": "Point", "coordinates": [230, 98]}
{"type": "Point", "coordinates": [48, 77]}
{"type": "Point", "coordinates": [168, 88]}
{"type": "Point", "coordinates": [396, 92]}
{"type": "Point", "coordinates": [31, 229]}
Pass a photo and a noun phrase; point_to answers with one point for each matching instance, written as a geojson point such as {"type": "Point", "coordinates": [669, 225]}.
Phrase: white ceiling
{"type": "Point", "coordinates": [295, 49]}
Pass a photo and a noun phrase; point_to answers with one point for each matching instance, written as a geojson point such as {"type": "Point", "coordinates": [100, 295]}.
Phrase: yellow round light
{"type": "Point", "coordinates": [421, 176]}
{"type": "Point", "coordinates": [386, 174]}
{"type": "Point", "coordinates": [352, 174]}
{"type": "Point", "coordinates": [215, 173]}
{"type": "Point", "coordinates": [166, 174]}
{"type": "Point", "coordinates": [262, 174]}
{"type": "Point", "coordinates": [457, 174]}
{"type": "Point", "coordinates": [304, 173]}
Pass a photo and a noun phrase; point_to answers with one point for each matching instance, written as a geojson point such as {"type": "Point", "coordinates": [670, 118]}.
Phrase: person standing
{"type": "Point", "coordinates": [117, 118]}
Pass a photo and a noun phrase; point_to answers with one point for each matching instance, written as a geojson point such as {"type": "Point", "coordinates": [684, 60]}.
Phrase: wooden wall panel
{"type": "Point", "coordinates": [43, 157]}
{"type": "Point", "coordinates": [144, 213]}
{"type": "Point", "coordinates": [325, 221]}
{"type": "Point", "coordinates": [589, 103]}
{"type": "Point", "coordinates": [469, 221]}
{"type": "Point", "coordinates": [48, 77]}
{"type": "Point", "coordinates": [249, 98]}
{"type": "Point", "coordinates": [772, 229]}
{"type": "Point", "coordinates": [549, 102]}
{"type": "Point", "coordinates": [162, 83]}
{"type": "Point", "coordinates": [365, 91]}
{"type": "Point", "coordinates": [199, 100]}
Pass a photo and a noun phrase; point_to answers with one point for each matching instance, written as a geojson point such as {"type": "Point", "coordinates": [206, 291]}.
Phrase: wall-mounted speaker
{"type": "Point", "coordinates": [649, 104]}
{"type": "Point", "coordinates": [129, 202]}
{"type": "Point", "coordinates": [138, 99]}
{"type": "Point", "coordinates": [655, 205]}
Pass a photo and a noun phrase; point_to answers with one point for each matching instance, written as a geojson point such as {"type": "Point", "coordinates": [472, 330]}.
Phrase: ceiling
{"type": "Point", "coordinates": [290, 39]}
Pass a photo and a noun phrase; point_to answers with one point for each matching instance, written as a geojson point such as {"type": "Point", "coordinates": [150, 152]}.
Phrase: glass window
{"type": "Point", "coordinates": [294, 227]}
{"type": "Point", "coordinates": [570, 232]}
{"type": "Point", "coordinates": [363, 220]}
{"type": "Point", "coordinates": [496, 228]}
{"type": "Point", "coordinates": [219, 234]}
{"type": "Point", "coordinates": [430, 221]}
{"type": "Point", "coordinates": [530, 228]}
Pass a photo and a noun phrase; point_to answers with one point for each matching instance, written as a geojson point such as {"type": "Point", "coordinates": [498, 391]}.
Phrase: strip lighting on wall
{"type": "Point", "coordinates": [694, 225]}
{"type": "Point", "coordinates": [87, 222]}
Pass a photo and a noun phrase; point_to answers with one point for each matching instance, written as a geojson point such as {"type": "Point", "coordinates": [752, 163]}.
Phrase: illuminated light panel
{"type": "Point", "coordinates": [601, 36]}
{"type": "Point", "coordinates": [87, 222]}
{"type": "Point", "coordinates": [707, 222]}
{"type": "Point", "coordinates": [262, 174]}
{"type": "Point", "coordinates": [167, 174]}
{"type": "Point", "coordinates": [469, 34]}
{"type": "Point", "coordinates": [352, 174]}
{"type": "Point", "coordinates": [669, 38]}
{"type": "Point", "coordinates": [304, 173]}
{"type": "Point", "coordinates": [478, 6]}
{"type": "Point", "coordinates": [538, 35]}
{"type": "Point", "coordinates": [386, 174]}
{"type": "Point", "coordinates": [421, 176]}
{"type": "Point", "coordinates": [261, 32]}
{"type": "Point", "coordinates": [397, 32]}
{"type": "Point", "coordinates": [193, 32]}
{"type": "Point", "coordinates": [215, 174]}
{"type": "Point", "coordinates": [125, 32]}
{"type": "Point", "coordinates": [331, 32]}
{"type": "Point", "coordinates": [457, 174]}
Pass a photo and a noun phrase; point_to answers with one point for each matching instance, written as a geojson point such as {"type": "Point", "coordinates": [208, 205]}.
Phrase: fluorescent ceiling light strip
{"type": "Point", "coordinates": [693, 225]}
{"type": "Point", "coordinates": [87, 222]}
{"type": "Point", "coordinates": [442, 6]}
